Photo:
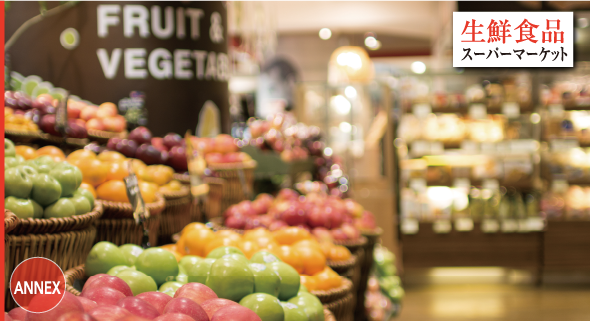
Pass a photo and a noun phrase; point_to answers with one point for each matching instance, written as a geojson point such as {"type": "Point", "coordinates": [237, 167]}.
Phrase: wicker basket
{"type": "Point", "coordinates": [184, 179]}
{"type": "Point", "coordinates": [233, 192]}
{"type": "Point", "coordinates": [357, 248]}
{"type": "Point", "coordinates": [22, 136]}
{"type": "Point", "coordinates": [328, 315]}
{"type": "Point", "coordinates": [67, 249]}
{"type": "Point", "coordinates": [72, 275]}
{"type": "Point", "coordinates": [344, 268]}
{"type": "Point", "coordinates": [332, 295]}
{"type": "Point", "coordinates": [56, 225]}
{"type": "Point", "coordinates": [343, 309]}
{"type": "Point", "coordinates": [102, 137]}
{"type": "Point", "coordinates": [10, 221]}
{"type": "Point", "coordinates": [118, 226]}
{"type": "Point", "coordinates": [176, 215]}
{"type": "Point", "coordinates": [365, 270]}
{"type": "Point", "coordinates": [214, 199]}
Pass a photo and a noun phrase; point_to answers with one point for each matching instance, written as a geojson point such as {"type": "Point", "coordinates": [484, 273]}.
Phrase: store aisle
{"type": "Point", "coordinates": [495, 302]}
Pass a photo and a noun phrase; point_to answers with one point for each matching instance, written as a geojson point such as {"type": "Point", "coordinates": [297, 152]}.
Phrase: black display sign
{"type": "Point", "coordinates": [174, 52]}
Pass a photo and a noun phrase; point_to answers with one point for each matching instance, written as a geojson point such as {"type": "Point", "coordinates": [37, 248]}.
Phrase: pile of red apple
{"type": "Point", "coordinates": [104, 117]}
{"type": "Point", "coordinates": [220, 150]}
{"type": "Point", "coordinates": [319, 213]}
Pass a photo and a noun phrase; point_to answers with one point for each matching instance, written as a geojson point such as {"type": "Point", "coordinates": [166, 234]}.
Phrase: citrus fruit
{"type": "Point", "coordinates": [218, 242]}
{"type": "Point", "coordinates": [309, 281]}
{"type": "Point", "coordinates": [249, 248]}
{"type": "Point", "coordinates": [94, 172]}
{"type": "Point", "coordinates": [111, 156]}
{"type": "Point", "coordinates": [117, 170]}
{"type": "Point", "coordinates": [112, 191]}
{"type": "Point", "coordinates": [339, 253]}
{"type": "Point", "coordinates": [290, 235]}
{"type": "Point", "coordinates": [80, 154]}
{"type": "Point", "coordinates": [51, 151]}
{"type": "Point", "coordinates": [313, 260]}
{"type": "Point", "coordinates": [193, 226]}
{"type": "Point", "coordinates": [290, 256]}
{"type": "Point", "coordinates": [27, 152]}
{"type": "Point", "coordinates": [195, 241]}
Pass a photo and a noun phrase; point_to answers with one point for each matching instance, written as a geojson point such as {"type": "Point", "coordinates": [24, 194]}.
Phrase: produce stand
{"type": "Point", "coordinates": [271, 164]}
{"type": "Point", "coordinates": [566, 245]}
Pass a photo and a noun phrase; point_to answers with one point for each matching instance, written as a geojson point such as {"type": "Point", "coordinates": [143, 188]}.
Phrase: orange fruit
{"type": "Point", "coordinates": [137, 165]}
{"type": "Point", "coordinates": [265, 242]}
{"type": "Point", "coordinates": [290, 235]}
{"type": "Point", "coordinates": [94, 172]}
{"type": "Point", "coordinates": [313, 260]}
{"type": "Point", "coordinates": [27, 152]}
{"type": "Point", "coordinates": [290, 256]}
{"type": "Point", "coordinates": [117, 170]}
{"type": "Point", "coordinates": [111, 156]}
{"type": "Point", "coordinates": [112, 191]}
{"type": "Point", "coordinates": [80, 154]}
{"type": "Point", "coordinates": [89, 188]}
{"type": "Point", "coordinates": [256, 233]}
{"type": "Point", "coordinates": [180, 246]}
{"type": "Point", "coordinates": [148, 192]}
{"type": "Point", "coordinates": [218, 242]}
{"type": "Point", "coordinates": [193, 226]}
{"type": "Point", "coordinates": [228, 233]}
{"type": "Point", "coordinates": [196, 240]}
{"type": "Point", "coordinates": [328, 279]}
{"type": "Point", "coordinates": [249, 248]}
{"type": "Point", "coordinates": [273, 248]}
{"type": "Point", "coordinates": [311, 243]}
{"type": "Point", "coordinates": [169, 247]}
{"type": "Point", "coordinates": [53, 151]}
{"type": "Point", "coordinates": [310, 282]}
{"type": "Point", "coordinates": [339, 253]}
{"type": "Point", "coordinates": [162, 174]}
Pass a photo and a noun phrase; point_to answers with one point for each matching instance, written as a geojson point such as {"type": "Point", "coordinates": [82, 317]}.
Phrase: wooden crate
{"type": "Point", "coordinates": [567, 245]}
{"type": "Point", "coordinates": [472, 248]}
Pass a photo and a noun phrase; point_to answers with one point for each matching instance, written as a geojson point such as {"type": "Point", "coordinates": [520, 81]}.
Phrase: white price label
{"type": "Point", "coordinates": [509, 225]}
{"type": "Point", "coordinates": [511, 109]}
{"type": "Point", "coordinates": [442, 226]}
{"type": "Point", "coordinates": [478, 111]}
{"type": "Point", "coordinates": [409, 226]}
{"type": "Point", "coordinates": [422, 110]}
{"type": "Point", "coordinates": [464, 224]}
{"type": "Point", "coordinates": [490, 226]}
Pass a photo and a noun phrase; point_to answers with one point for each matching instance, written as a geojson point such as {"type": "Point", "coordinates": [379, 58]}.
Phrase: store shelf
{"type": "Point", "coordinates": [427, 248]}
{"type": "Point", "coordinates": [567, 245]}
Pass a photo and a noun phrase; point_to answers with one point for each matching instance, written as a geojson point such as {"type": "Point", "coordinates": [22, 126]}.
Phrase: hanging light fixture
{"type": "Point", "coordinates": [349, 64]}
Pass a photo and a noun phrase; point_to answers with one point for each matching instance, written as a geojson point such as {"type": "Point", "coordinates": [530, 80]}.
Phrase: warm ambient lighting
{"type": "Point", "coordinates": [350, 92]}
{"type": "Point", "coordinates": [349, 64]}
{"type": "Point", "coordinates": [325, 33]}
{"type": "Point", "coordinates": [370, 42]}
{"type": "Point", "coordinates": [418, 67]}
{"type": "Point", "coordinates": [340, 104]}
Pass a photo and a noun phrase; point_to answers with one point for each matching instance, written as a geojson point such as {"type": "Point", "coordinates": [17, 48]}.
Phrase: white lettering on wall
{"type": "Point", "coordinates": [199, 56]}
{"type": "Point", "coordinates": [163, 69]}
{"type": "Point", "coordinates": [195, 16]}
{"type": "Point", "coordinates": [109, 66]}
{"type": "Point", "coordinates": [210, 72]}
{"type": "Point", "coordinates": [106, 16]}
{"type": "Point", "coordinates": [135, 15]}
{"type": "Point", "coordinates": [222, 66]}
{"type": "Point", "coordinates": [135, 63]}
{"type": "Point", "coordinates": [157, 30]}
{"type": "Point", "coordinates": [181, 63]}
{"type": "Point", "coordinates": [180, 25]}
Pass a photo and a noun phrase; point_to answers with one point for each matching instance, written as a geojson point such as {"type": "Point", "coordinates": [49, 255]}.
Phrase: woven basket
{"type": "Point", "coordinates": [67, 249]}
{"type": "Point", "coordinates": [343, 309]}
{"type": "Point", "coordinates": [176, 215]}
{"type": "Point", "coordinates": [10, 221]}
{"type": "Point", "coordinates": [365, 270]}
{"type": "Point", "coordinates": [357, 248]}
{"type": "Point", "coordinates": [56, 225]}
{"type": "Point", "coordinates": [332, 295]}
{"type": "Point", "coordinates": [118, 226]}
{"type": "Point", "coordinates": [182, 178]}
{"type": "Point", "coordinates": [214, 199]}
{"type": "Point", "coordinates": [344, 268]}
{"type": "Point", "coordinates": [233, 192]}
{"type": "Point", "coordinates": [76, 142]}
{"type": "Point", "coordinates": [102, 137]}
{"type": "Point", "coordinates": [328, 315]}
{"type": "Point", "coordinates": [22, 136]}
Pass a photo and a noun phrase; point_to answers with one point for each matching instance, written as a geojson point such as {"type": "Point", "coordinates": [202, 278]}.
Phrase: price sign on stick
{"type": "Point", "coordinates": [140, 211]}
{"type": "Point", "coordinates": [61, 115]}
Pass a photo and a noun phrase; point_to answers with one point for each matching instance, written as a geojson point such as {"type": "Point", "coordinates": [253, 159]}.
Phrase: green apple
{"type": "Point", "coordinates": [11, 162]}
{"type": "Point", "coordinates": [130, 252]}
{"type": "Point", "coordinates": [158, 263]}
{"type": "Point", "coordinates": [17, 182]}
{"type": "Point", "coordinates": [68, 176]}
{"type": "Point", "coordinates": [138, 282]}
{"type": "Point", "coordinates": [38, 210]}
{"type": "Point", "coordinates": [290, 279]}
{"type": "Point", "coordinates": [169, 292]}
{"type": "Point", "coordinates": [182, 278]}
{"type": "Point", "coordinates": [170, 286]}
{"type": "Point", "coordinates": [9, 150]}
{"type": "Point", "coordinates": [43, 164]}
{"type": "Point", "coordinates": [102, 257]}
{"type": "Point", "coordinates": [311, 305]}
{"type": "Point", "coordinates": [266, 280]}
{"type": "Point", "coordinates": [224, 250]}
{"type": "Point", "coordinates": [200, 271]}
{"type": "Point", "coordinates": [230, 278]}
{"type": "Point", "coordinates": [63, 207]}
{"type": "Point", "coordinates": [22, 208]}
{"type": "Point", "coordinates": [81, 204]}
{"type": "Point", "coordinates": [187, 261]}
{"type": "Point", "coordinates": [118, 269]}
{"type": "Point", "coordinates": [264, 257]}
{"type": "Point", "coordinates": [303, 288]}
{"type": "Point", "coordinates": [46, 189]}
{"type": "Point", "coordinates": [86, 193]}
{"type": "Point", "coordinates": [266, 306]}
{"type": "Point", "coordinates": [293, 312]}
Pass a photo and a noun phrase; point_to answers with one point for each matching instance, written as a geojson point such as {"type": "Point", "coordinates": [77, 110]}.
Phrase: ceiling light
{"type": "Point", "coordinates": [340, 104]}
{"type": "Point", "coordinates": [371, 42]}
{"type": "Point", "coordinates": [350, 92]}
{"type": "Point", "coordinates": [325, 33]}
{"type": "Point", "coordinates": [418, 67]}
{"type": "Point", "coordinates": [345, 127]}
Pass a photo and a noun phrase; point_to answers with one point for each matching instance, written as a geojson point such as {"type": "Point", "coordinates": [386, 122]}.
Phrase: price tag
{"type": "Point", "coordinates": [478, 111]}
{"type": "Point", "coordinates": [511, 109]}
{"type": "Point", "coordinates": [555, 110]}
{"type": "Point", "coordinates": [464, 224]}
{"type": "Point", "coordinates": [140, 211]}
{"type": "Point", "coordinates": [535, 224]}
{"type": "Point", "coordinates": [409, 226]}
{"type": "Point", "coordinates": [61, 115]}
{"type": "Point", "coordinates": [490, 226]}
{"type": "Point", "coordinates": [442, 226]}
{"type": "Point", "coordinates": [509, 225]}
{"type": "Point", "coordinates": [422, 110]}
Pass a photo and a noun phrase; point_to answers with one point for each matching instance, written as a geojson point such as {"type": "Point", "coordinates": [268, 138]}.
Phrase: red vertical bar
{"type": "Point", "coordinates": [2, 249]}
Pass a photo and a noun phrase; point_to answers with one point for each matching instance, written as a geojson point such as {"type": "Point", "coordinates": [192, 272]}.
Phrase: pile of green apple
{"type": "Point", "coordinates": [42, 187]}
{"type": "Point", "coordinates": [264, 284]}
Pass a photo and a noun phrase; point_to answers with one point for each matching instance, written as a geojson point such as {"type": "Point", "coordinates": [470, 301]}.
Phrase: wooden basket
{"type": "Point", "coordinates": [118, 226]}
{"type": "Point", "coordinates": [332, 295]}
{"type": "Point", "coordinates": [10, 221]}
{"type": "Point", "coordinates": [56, 225]}
{"type": "Point", "coordinates": [102, 137]}
{"type": "Point", "coordinates": [176, 215]}
{"type": "Point", "coordinates": [343, 309]}
{"type": "Point", "coordinates": [214, 199]}
{"type": "Point", "coordinates": [21, 136]}
{"type": "Point", "coordinates": [366, 265]}
{"type": "Point", "coordinates": [328, 315]}
{"type": "Point", "coordinates": [233, 192]}
{"type": "Point", "coordinates": [357, 248]}
{"type": "Point", "coordinates": [66, 249]}
{"type": "Point", "coordinates": [344, 268]}
{"type": "Point", "coordinates": [184, 179]}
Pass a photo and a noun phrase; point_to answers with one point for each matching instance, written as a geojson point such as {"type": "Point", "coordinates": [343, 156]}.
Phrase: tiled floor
{"type": "Point", "coordinates": [494, 302]}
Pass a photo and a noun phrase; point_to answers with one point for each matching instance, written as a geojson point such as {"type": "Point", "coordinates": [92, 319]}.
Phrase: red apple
{"type": "Point", "coordinates": [112, 143]}
{"type": "Point", "coordinates": [18, 314]}
{"type": "Point", "coordinates": [69, 303]}
{"type": "Point", "coordinates": [95, 123]}
{"type": "Point", "coordinates": [214, 158]}
{"type": "Point", "coordinates": [7, 317]}
{"type": "Point", "coordinates": [322, 234]}
{"type": "Point", "coordinates": [294, 214]}
{"type": "Point", "coordinates": [47, 124]}
{"type": "Point", "coordinates": [245, 207]}
{"type": "Point", "coordinates": [87, 304]}
{"type": "Point", "coordinates": [108, 281]}
{"type": "Point", "coordinates": [114, 124]}
{"type": "Point", "coordinates": [237, 222]}
{"type": "Point", "coordinates": [88, 112]}
{"type": "Point", "coordinates": [225, 144]}
{"type": "Point", "coordinates": [92, 279]}
{"type": "Point", "coordinates": [157, 299]}
{"type": "Point", "coordinates": [126, 147]}
{"type": "Point", "coordinates": [351, 232]}
{"type": "Point", "coordinates": [108, 313]}
{"type": "Point", "coordinates": [139, 307]}
{"type": "Point", "coordinates": [353, 208]}
{"type": "Point", "coordinates": [186, 306]}
{"type": "Point", "coordinates": [211, 306]}
{"type": "Point", "coordinates": [141, 135]}
{"type": "Point", "coordinates": [235, 313]}
{"type": "Point", "coordinates": [76, 130]}
{"type": "Point", "coordinates": [266, 220]}
{"type": "Point", "coordinates": [174, 317]}
{"type": "Point", "coordinates": [132, 317]}
{"type": "Point", "coordinates": [262, 203]}
{"type": "Point", "coordinates": [252, 223]}
{"type": "Point", "coordinates": [106, 110]}
{"type": "Point", "coordinates": [334, 215]}
{"type": "Point", "coordinates": [172, 139]}
{"type": "Point", "coordinates": [76, 316]}
{"type": "Point", "coordinates": [73, 112]}
{"type": "Point", "coordinates": [103, 296]}
{"type": "Point", "coordinates": [150, 155]}
{"type": "Point", "coordinates": [277, 225]}
{"type": "Point", "coordinates": [195, 291]}
{"type": "Point", "coordinates": [177, 158]}
{"type": "Point", "coordinates": [232, 158]}
{"type": "Point", "coordinates": [318, 218]}
{"type": "Point", "coordinates": [287, 194]}
{"type": "Point", "coordinates": [158, 143]}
